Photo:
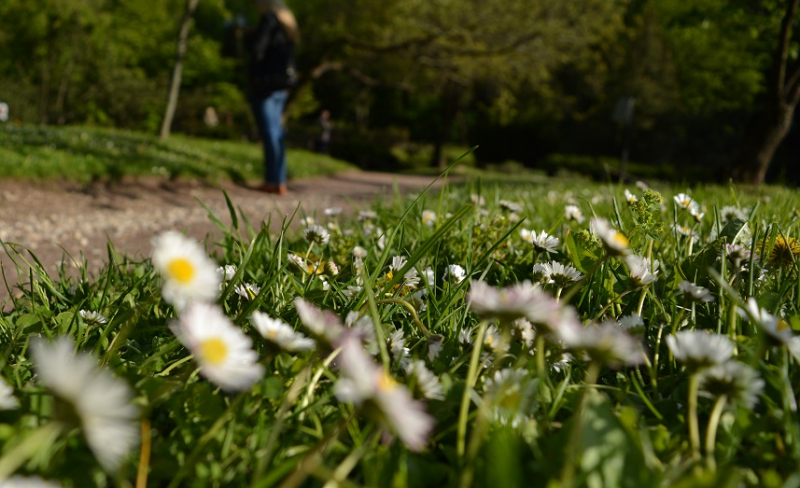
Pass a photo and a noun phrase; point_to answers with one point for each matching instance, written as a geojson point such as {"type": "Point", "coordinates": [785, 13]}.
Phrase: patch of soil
{"type": "Point", "coordinates": [54, 218]}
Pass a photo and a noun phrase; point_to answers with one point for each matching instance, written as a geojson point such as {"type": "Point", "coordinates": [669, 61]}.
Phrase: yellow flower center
{"type": "Point", "coordinates": [214, 351]}
{"type": "Point", "coordinates": [181, 270]}
{"type": "Point", "coordinates": [687, 202]}
{"type": "Point", "coordinates": [620, 240]}
{"type": "Point", "coordinates": [782, 325]}
{"type": "Point", "coordinates": [272, 333]}
{"type": "Point", "coordinates": [385, 382]}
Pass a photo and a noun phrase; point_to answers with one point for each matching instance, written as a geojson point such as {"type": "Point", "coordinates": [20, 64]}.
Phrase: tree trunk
{"type": "Point", "coordinates": [770, 125]}
{"type": "Point", "coordinates": [177, 70]}
{"type": "Point", "coordinates": [763, 138]}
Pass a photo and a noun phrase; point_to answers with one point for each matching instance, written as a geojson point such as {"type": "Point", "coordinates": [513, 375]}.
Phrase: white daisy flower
{"type": "Point", "coordinates": [631, 323]}
{"type": "Point", "coordinates": [776, 328]}
{"type": "Point", "coordinates": [367, 215]}
{"type": "Point", "coordinates": [630, 197]}
{"type": "Point", "coordinates": [351, 291]}
{"type": "Point", "coordinates": [541, 274]}
{"type": "Point", "coordinates": [454, 274]}
{"type": "Point", "coordinates": [685, 231]}
{"type": "Point", "coordinates": [510, 392]}
{"type": "Point", "coordinates": [738, 255]}
{"type": "Point", "coordinates": [7, 399]}
{"type": "Point", "coordinates": [572, 212]}
{"type": "Point", "coordinates": [697, 213]}
{"type": "Point", "coordinates": [430, 277]}
{"type": "Point", "coordinates": [510, 206]}
{"type": "Point", "coordinates": [614, 241]}
{"type": "Point", "coordinates": [542, 242]}
{"type": "Point", "coordinates": [397, 347]}
{"type": "Point", "coordinates": [685, 202]}
{"type": "Point", "coordinates": [427, 383]}
{"type": "Point", "coordinates": [521, 300]}
{"type": "Point", "coordinates": [606, 343]}
{"type": "Point", "coordinates": [435, 348]}
{"type": "Point", "coordinates": [643, 271]}
{"type": "Point", "coordinates": [697, 350]}
{"type": "Point", "coordinates": [323, 323]}
{"type": "Point", "coordinates": [523, 330]}
{"type": "Point", "coordinates": [333, 211]}
{"type": "Point", "coordinates": [494, 340]}
{"type": "Point", "coordinates": [729, 212]}
{"type": "Point", "coordinates": [561, 275]}
{"type": "Point", "coordinates": [477, 200]}
{"type": "Point", "coordinates": [227, 272]}
{"type": "Point", "coordinates": [331, 269]}
{"type": "Point", "coordinates": [465, 337]}
{"type": "Point", "coordinates": [223, 352]}
{"type": "Point", "coordinates": [359, 252]}
{"type": "Point", "coordinates": [562, 363]}
{"type": "Point", "coordinates": [29, 482]}
{"type": "Point", "coordinates": [429, 218]}
{"type": "Point", "coordinates": [296, 260]}
{"type": "Point", "coordinates": [505, 304]}
{"type": "Point", "coordinates": [248, 291]}
{"type": "Point", "coordinates": [93, 318]}
{"type": "Point", "coordinates": [738, 382]}
{"type": "Point", "coordinates": [418, 299]}
{"type": "Point", "coordinates": [317, 234]}
{"type": "Point", "coordinates": [695, 293]}
{"type": "Point", "coordinates": [642, 185]}
{"type": "Point", "coordinates": [364, 381]}
{"type": "Point", "coordinates": [280, 333]}
{"type": "Point", "coordinates": [189, 274]}
{"type": "Point", "coordinates": [411, 278]}
{"type": "Point", "coordinates": [101, 401]}
{"type": "Point", "coordinates": [308, 220]}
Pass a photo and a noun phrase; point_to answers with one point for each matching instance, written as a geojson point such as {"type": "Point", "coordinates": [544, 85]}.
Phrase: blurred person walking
{"type": "Point", "coordinates": [272, 73]}
{"type": "Point", "coordinates": [325, 127]}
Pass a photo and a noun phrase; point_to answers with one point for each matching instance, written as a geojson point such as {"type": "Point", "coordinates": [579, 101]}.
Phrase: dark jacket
{"type": "Point", "coordinates": [271, 65]}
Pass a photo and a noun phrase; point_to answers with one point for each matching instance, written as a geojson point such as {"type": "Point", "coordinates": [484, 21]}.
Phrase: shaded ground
{"type": "Point", "coordinates": [54, 217]}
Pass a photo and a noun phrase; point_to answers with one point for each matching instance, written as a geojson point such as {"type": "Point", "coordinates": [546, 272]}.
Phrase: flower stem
{"type": "Point", "coordinates": [694, 429]}
{"type": "Point", "coordinates": [711, 431]}
{"type": "Point", "coordinates": [573, 447]}
{"type": "Point", "coordinates": [641, 302]}
{"type": "Point", "coordinates": [472, 376]}
{"type": "Point", "coordinates": [541, 361]}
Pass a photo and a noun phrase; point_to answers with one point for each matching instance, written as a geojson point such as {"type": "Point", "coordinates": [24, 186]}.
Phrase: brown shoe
{"type": "Point", "coordinates": [272, 189]}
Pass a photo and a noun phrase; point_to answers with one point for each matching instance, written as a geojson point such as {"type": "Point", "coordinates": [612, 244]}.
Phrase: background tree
{"type": "Point", "coordinates": [177, 69]}
{"type": "Point", "coordinates": [773, 119]}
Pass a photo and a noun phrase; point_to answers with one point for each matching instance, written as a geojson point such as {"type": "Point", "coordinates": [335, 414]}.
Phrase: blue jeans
{"type": "Point", "coordinates": [268, 112]}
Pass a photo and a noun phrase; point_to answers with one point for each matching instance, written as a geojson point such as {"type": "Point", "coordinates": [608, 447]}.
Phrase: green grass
{"type": "Point", "coordinates": [84, 154]}
{"type": "Point", "coordinates": [527, 415]}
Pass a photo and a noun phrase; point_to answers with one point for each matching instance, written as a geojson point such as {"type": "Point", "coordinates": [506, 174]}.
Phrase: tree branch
{"type": "Point", "coordinates": [784, 38]}
{"type": "Point", "coordinates": [400, 46]}
{"type": "Point", "coordinates": [794, 77]}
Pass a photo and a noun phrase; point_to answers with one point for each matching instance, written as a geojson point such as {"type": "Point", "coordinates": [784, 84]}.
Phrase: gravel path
{"type": "Point", "coordinates": [54, 217]}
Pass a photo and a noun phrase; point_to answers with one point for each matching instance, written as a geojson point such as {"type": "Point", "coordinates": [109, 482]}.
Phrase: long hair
{"type": "Point", "coordinates": [285, 16]}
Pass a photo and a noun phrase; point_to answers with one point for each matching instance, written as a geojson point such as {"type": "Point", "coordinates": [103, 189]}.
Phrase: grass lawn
{"type": "Point", "coordinates": [502, 333]}
{"type": "Point", "coordinates": [90, 153]}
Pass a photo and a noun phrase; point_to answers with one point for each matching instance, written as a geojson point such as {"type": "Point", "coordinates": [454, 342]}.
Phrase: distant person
{"type": "Point", "coordinates": [210, 117]}
{"type": "Point", "coordinates": [325, 129]}
{"type": "Point", "coordinates": [272, 73]}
